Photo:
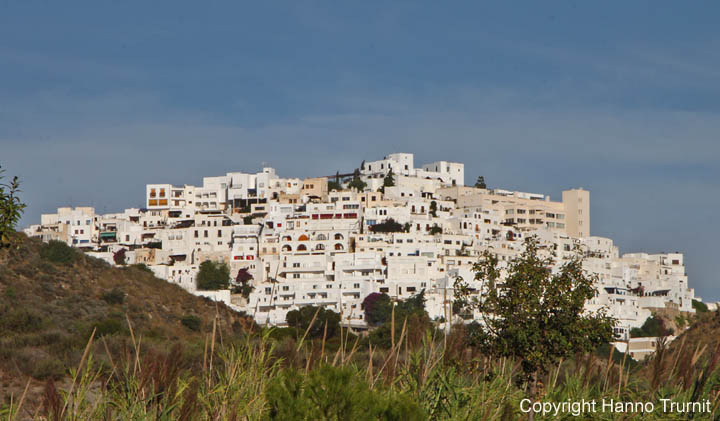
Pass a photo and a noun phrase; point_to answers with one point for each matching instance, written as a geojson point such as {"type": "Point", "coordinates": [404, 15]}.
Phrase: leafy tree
{"type": "Point", "coordinates": [114, 296]}
{"type": "Point", "coordinates": [301, 319]}
{"type": "Point", "coordinates": [356, 182]}
{"type": "Point", "coordinates": [334, 185]}
{"type": "Point", "coordinates": [534, 315]}
{"type": "Point", "coordinates": [480, 183]}
{"type": "Point", "coordinates": [435, 229]}
{"type": "Point", "coordinates": [389, 179]}
{"type": "Point", "coordinates": [242, 283]}
{"type": "Point", "coordinates": [411, 313]}
{"type": "Point", "coordinates": [119, 257]}
{"type": "Point", "coordinates": [377, 307]}
{"type": "Point", "coordinates": [389, 225]}
{"type": "Point", "coordinates": [652, 327]}
{"type": "Point", "coordinates": [433, 209]}
{"type": "Point", "coordinates": [11, 208]}
{"type": "Point", "coordinates": [213, 276]}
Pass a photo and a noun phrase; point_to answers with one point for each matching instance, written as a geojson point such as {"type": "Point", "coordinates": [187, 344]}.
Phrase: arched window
{"type": "Point", "coordinates": [287, 238]}
{"type": "Point", "coordinates": [321, 237]}
{"type": "Point", "coordinates": [339, 236]}
{"type": "Point", "coordinates": [339, 246]}
{"type": "Point", "coordinates": [302, 247]}
{"type": "Point", "coordinates": [320, 247]}
{"type": "Point", "coordinates": [286, 247]}
{"type": "Point", "coordinates": [303, 238]}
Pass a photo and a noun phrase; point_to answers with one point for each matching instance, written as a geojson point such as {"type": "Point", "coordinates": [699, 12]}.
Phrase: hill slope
{"type": "Point", "coordinates": [52, 297]}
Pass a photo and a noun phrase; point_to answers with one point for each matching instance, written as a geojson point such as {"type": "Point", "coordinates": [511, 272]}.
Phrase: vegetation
{"type": "Point", "coordinates": [58, 252]}
{"type": "Point", "coordinates": [435, 229]}
{"type": "Point", "coordinates": [357, 183]}
{"type": "Point", "coordinates": [120, 258]}
{"type": "Point", "coordinates": [535, 316]}
{"type": "Point", "coordinates": [114, 296]}
{"type": "Point", "coordinates": [389, 179]}
{"type": "Point", "coordinates": [699, 306]}
{"type": "Point", "coordinates": [242, 284]}
{"type": "Point", "coordinates": [433, 209]}
{"type": "Point", "coordinates": [653, 327]}
{"type": "Point", "coordinates": [165, 354]}
{"type": "Point", "coordinates": [318, 322]}
{"type": "Point", "coordinates": [11, 208]}
{"type": "Point", "coordinates": [378, 308]}
{"type": "Point", "coordinates": [334, 185]}
{"type": "Point", "coordinates": [213, 276]}
{"type": "Point", "coordinates": [389, 225]}
{"type": "Point", "coordinates": [480, 183]}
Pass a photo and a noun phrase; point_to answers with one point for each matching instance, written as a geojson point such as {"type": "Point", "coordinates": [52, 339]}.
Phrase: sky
{"type": "Point", "coordinates": [99, 98]}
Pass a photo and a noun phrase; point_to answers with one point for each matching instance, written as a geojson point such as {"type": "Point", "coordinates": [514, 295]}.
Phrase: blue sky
{"type": "Point", "coordinates": [622, 98]}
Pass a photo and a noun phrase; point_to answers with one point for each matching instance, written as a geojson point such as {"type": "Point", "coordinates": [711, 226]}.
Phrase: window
{"type": "Point", "coordinates": [205, 234]}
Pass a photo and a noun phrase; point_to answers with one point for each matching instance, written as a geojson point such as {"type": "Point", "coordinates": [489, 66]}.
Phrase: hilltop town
{"type": "Point", "coordinates": [387, 227]}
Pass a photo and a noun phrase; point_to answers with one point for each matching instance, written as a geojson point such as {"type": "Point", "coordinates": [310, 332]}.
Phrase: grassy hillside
{"type": "Point", "coordinates": [52, 297]}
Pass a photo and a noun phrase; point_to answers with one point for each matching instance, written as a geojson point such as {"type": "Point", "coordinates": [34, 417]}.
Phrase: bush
{"type": "Point", "coordinates": [119, 257]}
{"type": "Point", "coordinates": [58, 252]}
{"type": "Point", "coordinates": [48, 368]}
{"type": "Point", "coordinates": [699, 306]}
{"type": "Point", "coordinates": [20, 320]}
{"type": "Point", "coordinates": [653, 327]}
{"type": "Point", "coordinates": [213, 276]}
{"type": "Point", "coordinates": [142, 267]}
{"type": "Point", "coordinates": [378, 308]}
{"type": "Point", "coordinates": [192, 322]}
{"type": "Point", "coordinates": [335, 393]}
{"type": "Point", "coordinates": [114, 296]}
{"type": "Point", "coordinates": [108, 326]}
{"type": "Point", "coordinates": [388, 225]}
{"type": "Point", "coordinates": [300, 319]}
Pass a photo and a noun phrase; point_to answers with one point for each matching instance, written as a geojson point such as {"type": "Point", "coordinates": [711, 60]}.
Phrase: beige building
{"type": "Point", "coordinates": [529, 210]}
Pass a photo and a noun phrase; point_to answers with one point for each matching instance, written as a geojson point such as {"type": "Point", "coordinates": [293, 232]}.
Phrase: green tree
{"type": "Point", "coordinates": [653, 326]}
{"type": "Point", "coordinates": [213, 276]}
{"type": "Point", "coordinates": [301, 319]}
{"type": "Point", "coordinates": [11, 208]}
{"type": "Point", "coordinates": [534, 315]}
{"type": "Point", "coordinates": [435, 229]}
{"type": "Point", "coordinates": [334, 185]}
{"type": "Point", "coordinates": [119, 257]}
{"type": "Point", "coordinates": [389, 225]}
{"type": "Point", "coordinates": [433, 209]}
{"type": "Point", "coordinates": [389, 179]}
{"type": "Point", "coordinates": [480, 183]}
{"type": "Point", "coordinates": [356, 182]}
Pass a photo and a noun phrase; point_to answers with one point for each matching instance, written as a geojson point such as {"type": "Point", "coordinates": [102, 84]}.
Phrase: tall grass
{"type": "Point", "coordinates": [439, 378]}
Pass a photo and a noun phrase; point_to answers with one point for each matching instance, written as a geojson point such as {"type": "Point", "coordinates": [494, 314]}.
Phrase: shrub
{"type": "Point", "coordinates": [335, 393]}
{"type": "Point", "coordinates": [58, 252]}
{"type": "Point", "coordinates": [652, 327]}
{"type": "Point", "coordinates": [108, 326]}
{"type": "Point", "coordinates": [300, 319]}
{"type": "Point", "coordinates": [388, 225]}
{"type": "Point", "coordinates": [213, 276]}
{"type": "Point", "coordinates": [48, 368]}
{"type": "Point", "coordinates": [119, 257]}
{"type": "Point", "coordinates": [114, 296]}
{"type": "Point", "coordinates": [699, 306]}
{"type": "Point", "coordinates": [20, 320]}
{"type": "Point", "coordinates": [378, 308]}
{"type": "Point", "coordinates": [142, 267]}
{"type": "Point", "coordinates": [192, 322]}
